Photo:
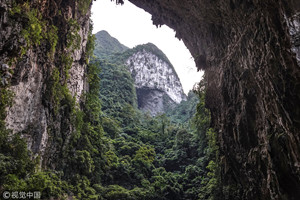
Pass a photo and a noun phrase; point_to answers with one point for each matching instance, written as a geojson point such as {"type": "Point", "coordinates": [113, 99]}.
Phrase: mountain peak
{"type": "Point", "coordinates": [103, 32]}
{"type": "Point", "coordinates": [155, 50]}
{"type": "Point", "coordinates": [106, 45]}
{"type": "Point", "coordinates": [150, 47]}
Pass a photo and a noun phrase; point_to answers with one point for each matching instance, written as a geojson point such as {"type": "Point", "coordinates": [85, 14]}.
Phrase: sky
{"type": "Point", "coordinates": [132, 26]}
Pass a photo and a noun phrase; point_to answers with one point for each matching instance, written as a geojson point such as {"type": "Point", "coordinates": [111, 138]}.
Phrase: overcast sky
{"type": "Point", "coordinates": [133, 26]}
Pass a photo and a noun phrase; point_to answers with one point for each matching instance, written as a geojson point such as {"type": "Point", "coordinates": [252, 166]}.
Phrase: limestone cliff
{"type": "Point", "coordinates": [156, 81]}
{"type": "Point", "coordinates": [157, 84]}
{"type": "Point", "coordinates": [44, 45]}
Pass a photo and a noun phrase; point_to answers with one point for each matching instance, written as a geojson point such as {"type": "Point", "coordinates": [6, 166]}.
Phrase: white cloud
{"type": "Point", "coordinates": [133, 26]}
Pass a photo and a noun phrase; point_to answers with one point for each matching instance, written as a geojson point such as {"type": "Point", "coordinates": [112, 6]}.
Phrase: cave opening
{"type": "Point", "coordinates": [143, 102]}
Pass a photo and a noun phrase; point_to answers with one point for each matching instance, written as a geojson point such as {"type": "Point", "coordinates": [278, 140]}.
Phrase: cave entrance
{"type": "Point", "coordinates": [133, 26]}
{"type": "Point", "coordinates": [154, 148]}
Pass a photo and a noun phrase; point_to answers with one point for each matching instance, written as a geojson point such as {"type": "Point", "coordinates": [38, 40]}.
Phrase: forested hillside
{"type": "Point", "coordinates": [169, 156]}
{"type": "Point", "coordinates": [106, 45]}
{"type": "Point", "coordinates": [162, 157]}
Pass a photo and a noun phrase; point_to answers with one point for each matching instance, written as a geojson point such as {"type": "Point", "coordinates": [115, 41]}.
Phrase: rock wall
{"type": "Point", "coordinates": [294, 29]}
{"type": "Point", "coordinates": [253, 87]}
{"type": "Point", "coordinates": [156, 82]}
{"type": "Point", "coordinates": [36, 39]}
{"type": "Point", "coordinates": [151, 100]}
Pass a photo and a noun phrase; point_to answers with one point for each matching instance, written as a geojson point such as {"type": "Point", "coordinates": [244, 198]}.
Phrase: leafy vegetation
{"type": "Point", "coordinates": [84, 5]}
{"type": "Point", "coordinates": [34, 29]}
{"type": "Point", "coordinates": [185, 110]}
{"type": "Point", "coordinates": [73, 37]}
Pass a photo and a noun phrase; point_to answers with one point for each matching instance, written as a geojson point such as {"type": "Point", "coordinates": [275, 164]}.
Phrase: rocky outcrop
{"type": "Point", "coordinates": [157, 84]}
{"type": "Point", "coordinates": [36, 39]}
{"type": "Point", "coordinates": [252, 88]}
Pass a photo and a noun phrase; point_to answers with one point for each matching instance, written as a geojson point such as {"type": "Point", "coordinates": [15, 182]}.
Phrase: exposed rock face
{"type": "Point", "coordinates": [28, 115]}
{"type": "Point", "coordinates": [157, 83]}
{"type": "Point", "coordinates": [253, 87]}
{"type": "Point", "coordinates": [150, 100]}
{"type": "Point", "coordinates": [32, 112]}
{"type": "Point", "coordinates": [294, 28]}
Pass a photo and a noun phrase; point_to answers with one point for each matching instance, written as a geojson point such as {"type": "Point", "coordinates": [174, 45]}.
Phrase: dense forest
{"type": "Point", "coordinates": [117, 151]}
